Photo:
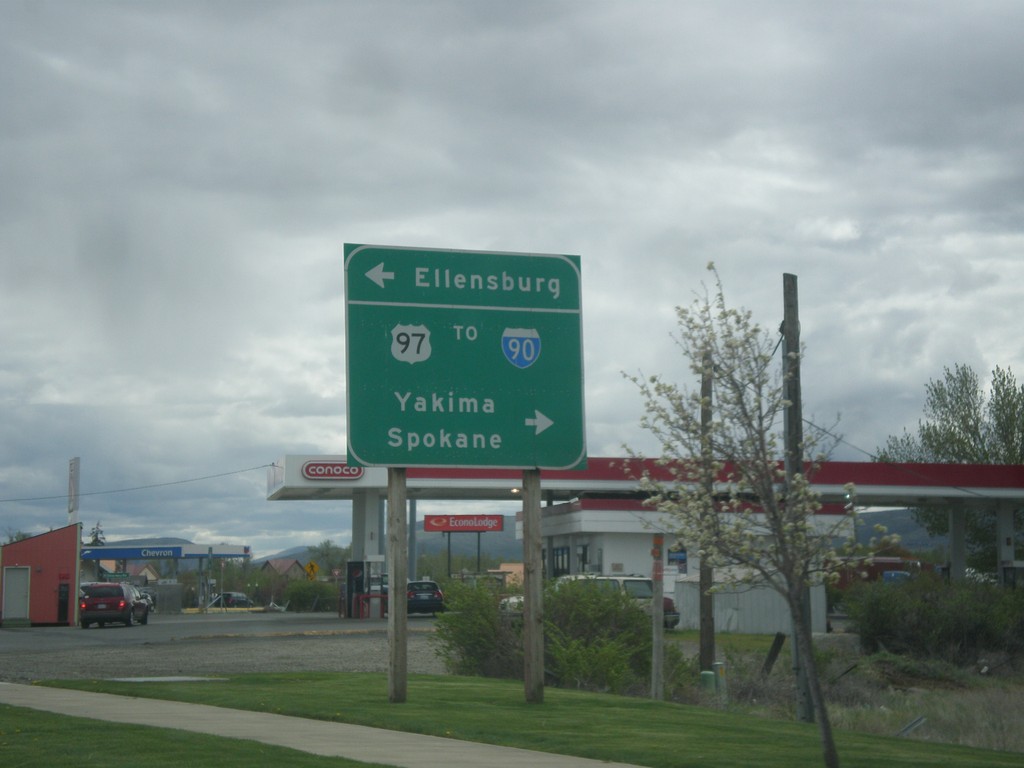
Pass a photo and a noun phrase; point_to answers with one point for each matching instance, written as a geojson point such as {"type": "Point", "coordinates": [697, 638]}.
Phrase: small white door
{"type": "Point", "coordinates": [15, 597]}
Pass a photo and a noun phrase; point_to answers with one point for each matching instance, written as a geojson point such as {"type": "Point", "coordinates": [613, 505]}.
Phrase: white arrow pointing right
{"type": "Point", "coordinates": [539, 421]}
{"type": "Point", "coordinates": [378, 275]}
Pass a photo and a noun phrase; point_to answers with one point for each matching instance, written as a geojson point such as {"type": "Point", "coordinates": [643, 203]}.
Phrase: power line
{"type": "Point", "coordinates": [839, 439]}
{"type": "Point", "coordinates": [142, 487]}
{"type": "Point", "coordinates": [905, 467]}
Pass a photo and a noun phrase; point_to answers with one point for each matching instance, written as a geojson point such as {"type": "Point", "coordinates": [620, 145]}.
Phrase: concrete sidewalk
{"type": "Point", "coordinates": [356, 742]}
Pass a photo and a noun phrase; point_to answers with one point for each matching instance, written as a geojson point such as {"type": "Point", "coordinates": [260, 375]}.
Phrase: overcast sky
{"type": "Point", "coordinates": [178, 179]}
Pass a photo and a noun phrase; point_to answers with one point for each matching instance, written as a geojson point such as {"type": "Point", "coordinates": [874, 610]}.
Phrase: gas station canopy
{"type": "Point", "coordinates": [877, 484]}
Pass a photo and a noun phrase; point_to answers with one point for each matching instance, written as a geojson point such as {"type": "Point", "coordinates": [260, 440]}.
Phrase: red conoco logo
{"type": "Point", "coordinates": [330, 470]}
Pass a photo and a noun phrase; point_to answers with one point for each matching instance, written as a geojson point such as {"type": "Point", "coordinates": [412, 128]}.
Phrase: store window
{"type": "Point", "coordinates": [560, 561]}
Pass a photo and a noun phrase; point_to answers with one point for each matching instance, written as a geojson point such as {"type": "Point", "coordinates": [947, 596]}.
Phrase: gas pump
{"type": "Point", "coordinates": [363, 577]}
{"type": "Point", "coordinates": [357, 582]}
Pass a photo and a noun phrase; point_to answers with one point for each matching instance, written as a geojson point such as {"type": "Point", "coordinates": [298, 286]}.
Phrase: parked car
{"type": "Point", "coordinates": [640, 588]}
{"type": "Point", "coordinates": [231, 600]}
{"type": "Point", "coordinates": [150, 598]}
{"type": "Point", "coordinates": [424, 597]}
{"type": "Point", "coordinates": [103, 602]}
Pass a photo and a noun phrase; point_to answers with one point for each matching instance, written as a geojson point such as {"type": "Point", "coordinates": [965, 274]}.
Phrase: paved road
{"type": "Point", "coordinates": [163, 628]}
{"type": "Point", "coordinates": [214, 643]}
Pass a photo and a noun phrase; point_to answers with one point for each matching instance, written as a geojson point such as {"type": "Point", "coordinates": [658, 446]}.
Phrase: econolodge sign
{"type": "Point", "coordinates": [463, 523]}
{"type": "Point", "coordinates": [463, 358]}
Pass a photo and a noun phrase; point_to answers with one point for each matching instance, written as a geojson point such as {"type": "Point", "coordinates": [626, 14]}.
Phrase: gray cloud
{"type": "Point", "coordinates": [178, 181]}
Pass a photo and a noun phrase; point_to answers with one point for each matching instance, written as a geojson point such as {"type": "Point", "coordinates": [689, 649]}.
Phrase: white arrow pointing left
{"type": "Point", "coordinates": [378, 275]}
{"type": "Point", "coordinates": [540, 422]}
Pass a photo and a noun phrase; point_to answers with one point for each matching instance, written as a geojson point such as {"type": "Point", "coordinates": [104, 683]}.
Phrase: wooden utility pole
{"type": "Point", "coordinates": [794, 436]}
{"type": "Point", "coordinates": [398, 618]}
{"type": "Point", "coordinates": [794, 460]}
{"type": "Point", "coordinates": [533, 609]}
{"type": "Point", "coordinates": [658, 617]}
{"type": "Point", "coordinates": [707, 575]}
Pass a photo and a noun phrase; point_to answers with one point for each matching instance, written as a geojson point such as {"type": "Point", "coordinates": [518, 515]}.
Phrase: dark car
{"type": "Point", "coordinates": [424, 597]}
{"type": "Point", "coordinates": [231, 600]}
{"type": "Point", "coordinates": [104, 602]}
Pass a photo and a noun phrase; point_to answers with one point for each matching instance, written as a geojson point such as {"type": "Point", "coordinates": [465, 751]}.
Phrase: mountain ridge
{"type": "Point", "coordinates": [504, 546]}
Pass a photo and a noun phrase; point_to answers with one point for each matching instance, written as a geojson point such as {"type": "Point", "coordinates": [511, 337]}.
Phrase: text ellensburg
{"type": "Point", "coordinates": [427, 277]}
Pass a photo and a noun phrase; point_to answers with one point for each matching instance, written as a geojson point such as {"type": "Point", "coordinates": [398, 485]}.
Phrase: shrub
{"type": "Point", "coordinates": [931, 619]}
{"type": "Point", "coordinates": [602, 630]}
{"type": "Point", "coordinates": [902, 672]}
{"type": "Point", "coordinates": [474, 636]}
{"type": "Point", "coordinates": [681, 674]}
{"type": "Point", "coordinates": [302, 595]}
{"type": "Point", "coordinates": [593, 664]}
{"type": "Point", "coordinates": [595, 639]}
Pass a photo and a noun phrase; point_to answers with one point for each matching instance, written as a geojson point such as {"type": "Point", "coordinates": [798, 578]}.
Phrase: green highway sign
{"type": "Point", "coordinates": [463, 358]}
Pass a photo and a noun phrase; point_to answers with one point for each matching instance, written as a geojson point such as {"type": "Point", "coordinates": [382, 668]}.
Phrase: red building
{"type": "Point", "coordinates": [39, 579]}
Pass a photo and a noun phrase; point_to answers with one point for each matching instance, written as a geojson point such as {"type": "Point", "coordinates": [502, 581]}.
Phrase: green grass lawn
{"type": "Point", "coordinates": [33, 739]}
{"type": "Point", "coordinates": [604, 727]}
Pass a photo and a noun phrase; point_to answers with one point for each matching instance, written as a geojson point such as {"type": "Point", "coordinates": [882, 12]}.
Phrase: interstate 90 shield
{"type": "Point", "coordinates": [521, 346]}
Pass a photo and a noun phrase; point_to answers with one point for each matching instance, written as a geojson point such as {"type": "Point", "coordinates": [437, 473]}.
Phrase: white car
{"type": "Point", "coordinates": [639, 588]}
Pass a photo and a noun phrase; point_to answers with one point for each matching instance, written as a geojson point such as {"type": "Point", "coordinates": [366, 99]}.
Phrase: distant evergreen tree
{"type": "Point", "coordinates": [96, 537]}
{"type": "Point", "coordinates": [329, 556]}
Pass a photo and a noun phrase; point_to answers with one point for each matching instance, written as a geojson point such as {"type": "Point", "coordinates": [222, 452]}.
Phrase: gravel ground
{"type": "Point", "coordinates": [344, 651]}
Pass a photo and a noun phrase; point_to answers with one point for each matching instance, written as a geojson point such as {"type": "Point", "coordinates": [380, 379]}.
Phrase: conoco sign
{"type": "Point", "coordinates": [330, 470]}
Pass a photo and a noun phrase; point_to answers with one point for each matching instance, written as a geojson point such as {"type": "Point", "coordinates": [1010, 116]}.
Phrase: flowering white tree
{"type": "Point", "coordinates": [728, 495]}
